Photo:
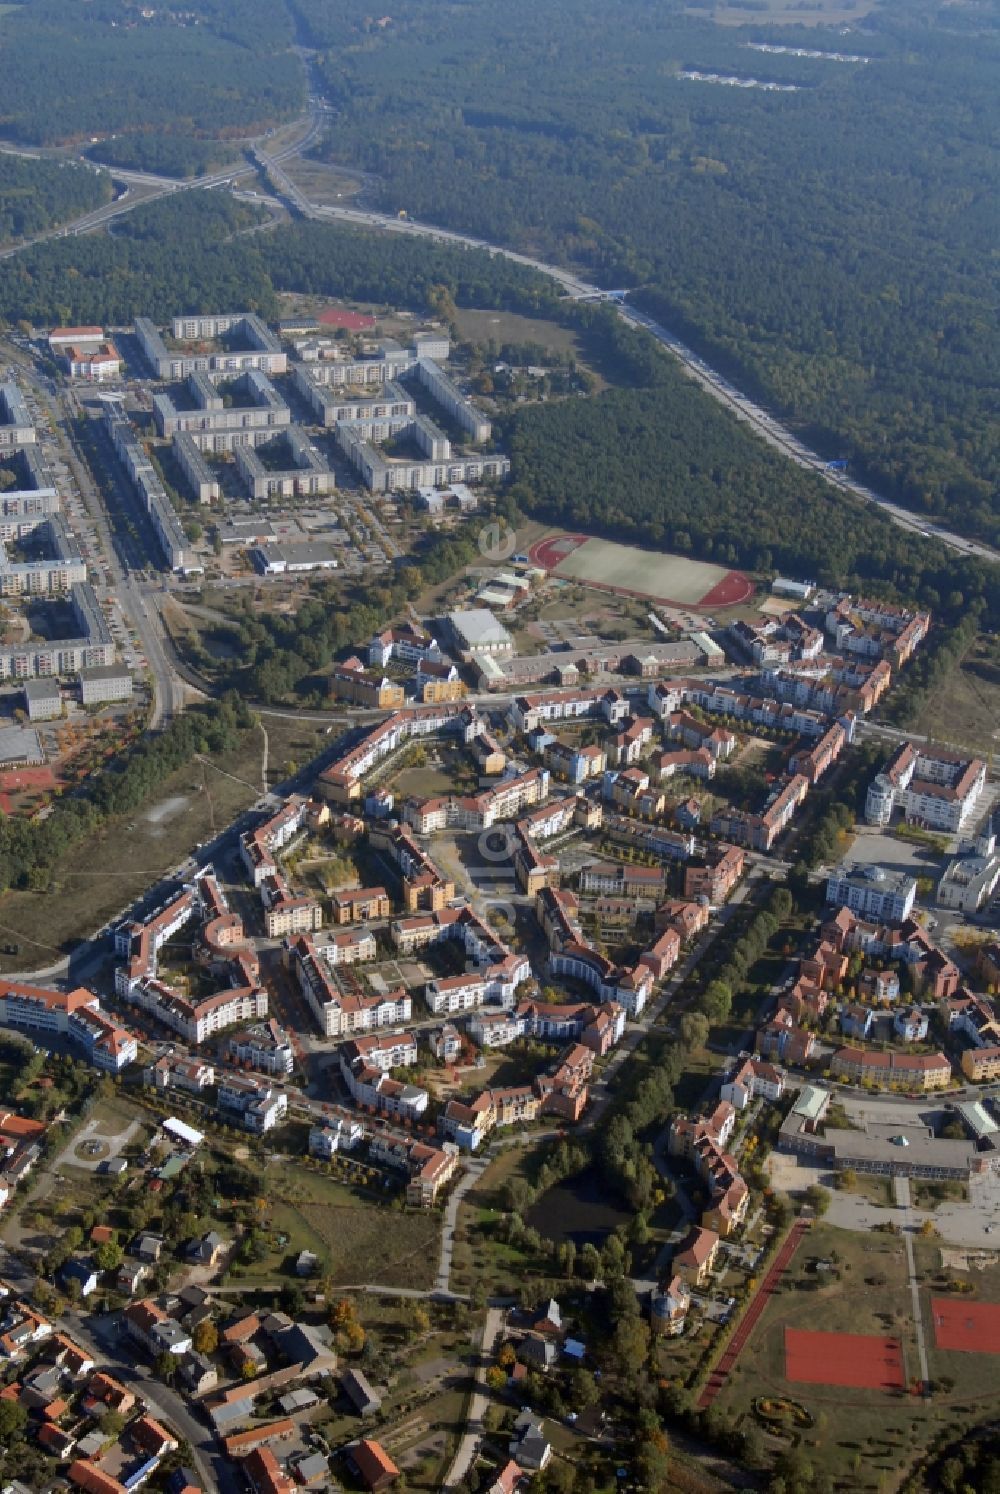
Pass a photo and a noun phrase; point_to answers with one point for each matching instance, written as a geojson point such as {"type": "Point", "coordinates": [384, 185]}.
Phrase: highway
{"type": "Point", "coordinates": [763, 423]}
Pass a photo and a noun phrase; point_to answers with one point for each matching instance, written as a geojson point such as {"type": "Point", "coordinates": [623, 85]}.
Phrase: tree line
{"type": "Point", "coordinates": [185, 252]}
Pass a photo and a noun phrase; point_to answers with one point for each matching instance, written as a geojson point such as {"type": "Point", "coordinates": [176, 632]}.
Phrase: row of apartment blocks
{"type": "Point", "coordinates": [23, 510]}
{"type": "Point", "coordinates": [364, 1067]}
{"type": "Point", "coordinates": [221, 945]}
{"type": "Point", "coordinates": [478, 811]}
{"type": "Point", "coordinates": [342, 781]}
{"type": "Point", "coordinates": [360, 422]}
{"type": "Point", "coordinates": [339, 1013]}
{"type": "Point", "coordinates": [16, 427]}
{"type": "Point", "coordinates": [928, 785]}
{"type": "Point", "coordinates": [821, 974]}
{"type": "Point", "coordinates": [829, 683]}
{"type": "Point", "coordinates": [703, 1142]}
{"type": "Point", "coordinates": [562, 1092]}
{"type": "Point", "coordinates": [570, 955]}
{"type": "Point", "coordinates": [385, 368]}
{"type": "Point", "coordinates": [667, 698]}
{"type": "Point", "coordinates": [215, 426]}
{"type": "Point", "coordinates": [876, 629]}
{"type": "Point", "coordinates": [263, 351]}
{"type": "Point", "coordinates": [76, 1015]}
{"type": "Point", "coordinates": [255, 1105]}
{"type": "Point", "coordinates": [93, 649]}
{"type": "Point", "coordinates": [496, 971]}
{"type": "Point", "coordinates": [146, 480]}
{"type": "Point", "coordinates": [433, 684]}
{"type": "Point", "coordinates": [284, 913]}
{"type": "Point", "coordinates": [439, 469]}
{"type": "Point", "coordinates": [52, 575]}
{"type": "Point", "coordinates": [761, 830]}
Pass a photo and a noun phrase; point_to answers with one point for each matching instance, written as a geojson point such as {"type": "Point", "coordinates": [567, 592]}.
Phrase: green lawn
{"type": "Point", "coordinates": [865, 1439]}
{"type": "Point", "coordinates": [357, 1237]}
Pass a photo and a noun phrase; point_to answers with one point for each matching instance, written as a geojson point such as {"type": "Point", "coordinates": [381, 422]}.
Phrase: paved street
{"type": "Point", "coordinates": [469, 1445]}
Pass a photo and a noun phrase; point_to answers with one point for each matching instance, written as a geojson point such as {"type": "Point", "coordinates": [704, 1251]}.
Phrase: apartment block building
{"type": "Point", "coordinates": [760, 831]}
{"type": "Point", "coordinates": [198, 1020]}
{"type": "Point", "coordinates": [75, 1014]}
{"type": "Point", "coordinates": [338, 1013]}
{"type": "Point", "coordinates": [177, 552]}
{"type": "Point", "coordinates": [262, 348]}
{"type": "Point", "coordinates": [305, 474]}
{"type": "Point", "coordinates": [873, 892]}
{"type": "Point", "coordinates": [265, 1046]}
{"type": "Point", "coordinates": [929, 785]}
{"type": "Point", "coordinates": [912, 1071]}
{"type": "Point", "coordinates": [715, 874]}
{"type": "Point", "coordinates": [16, 428]}
{"type": "Point", "coordinates": [622, 879]}
{"type": "Point", "coordinates": [258, 1106]}
{"type": "Point", "coordinates": [371, 1086]}
{"type": "Point", "coordinates": [359, 904]}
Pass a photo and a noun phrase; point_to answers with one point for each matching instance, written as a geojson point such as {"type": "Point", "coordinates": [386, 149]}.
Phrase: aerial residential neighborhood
{"type": "Point", "coordinates": [455, 934]}
{"type": "Point", "coordinates": [499, 689]}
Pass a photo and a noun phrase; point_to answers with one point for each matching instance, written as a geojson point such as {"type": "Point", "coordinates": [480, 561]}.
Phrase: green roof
{"type": "Point", "coordinates": [811, 1102]}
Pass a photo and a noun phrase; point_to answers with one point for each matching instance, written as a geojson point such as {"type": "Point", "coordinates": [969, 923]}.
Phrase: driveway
{"type": "Point", "coordinates": [469, 1445]}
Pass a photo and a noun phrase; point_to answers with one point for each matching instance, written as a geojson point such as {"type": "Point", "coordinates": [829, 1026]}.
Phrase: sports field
{"type": "Point", "coordinates": [354, 321]}
{"type": "Point", "coordinates": [970, 1326]}
{"type": "Point", "coordinates": [641, 573]}
{"type": "Point", "coordinates": [860, 1360]}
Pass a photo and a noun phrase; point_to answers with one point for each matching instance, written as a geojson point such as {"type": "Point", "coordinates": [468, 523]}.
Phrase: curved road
{"type": "Point", "coordinates": [768, 427]}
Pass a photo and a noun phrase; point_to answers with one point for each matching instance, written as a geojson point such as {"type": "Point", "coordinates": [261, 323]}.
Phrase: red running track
{"type": "Point", "coordinates": [737, 1343]}
{"type": "Point", "coordinates": [732, 591]}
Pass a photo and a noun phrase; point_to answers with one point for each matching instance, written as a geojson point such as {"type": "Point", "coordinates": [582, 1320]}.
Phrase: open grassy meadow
{"type": "Point", "coordinates": [358, 1238]}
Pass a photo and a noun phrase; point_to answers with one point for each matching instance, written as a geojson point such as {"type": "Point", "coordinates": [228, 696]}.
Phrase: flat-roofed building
{"type": "Point", "coordinates": [43, 700]}
{"type": "Point", "coordinates": [477, 632]}
{"type": "Point", "coordinates": [104, 683]}
{"type": "Point", "coordinates": [873, 892]}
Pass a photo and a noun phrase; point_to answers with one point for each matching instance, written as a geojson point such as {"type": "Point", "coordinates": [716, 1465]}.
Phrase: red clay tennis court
{"type": "Point", "coordinates": [354, 321]}
{"type": "Point", "coordinates": [973, 1327]}
{"type": "Point", "coordinates": [858, 1360]}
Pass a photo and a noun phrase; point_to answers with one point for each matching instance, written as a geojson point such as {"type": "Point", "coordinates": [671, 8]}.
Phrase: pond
{"type": "Point", "coordinates": [579, 1209]}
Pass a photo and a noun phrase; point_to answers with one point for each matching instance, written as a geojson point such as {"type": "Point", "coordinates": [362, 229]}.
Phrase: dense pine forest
{"type": "Point", "coordinates": [834, 245]}
{"type": "Point", "coordinates": [213, 67]}
{"type": "Point", "coordinates": [34, 195]}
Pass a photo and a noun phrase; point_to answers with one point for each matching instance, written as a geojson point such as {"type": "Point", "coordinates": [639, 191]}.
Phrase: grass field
{"type": "Point", "coordinates": [507, 326]}
{"type": "Point", "coordinates": [965, 710]}
{"type": "Point", "coordinates": [866, 1439]}
{"type": "Point", "coordinates": [100, 877]}
{"type": "Point", "coordinates": [357, 1240]}
{"type": "Point", "coordinates": [647, 573]}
